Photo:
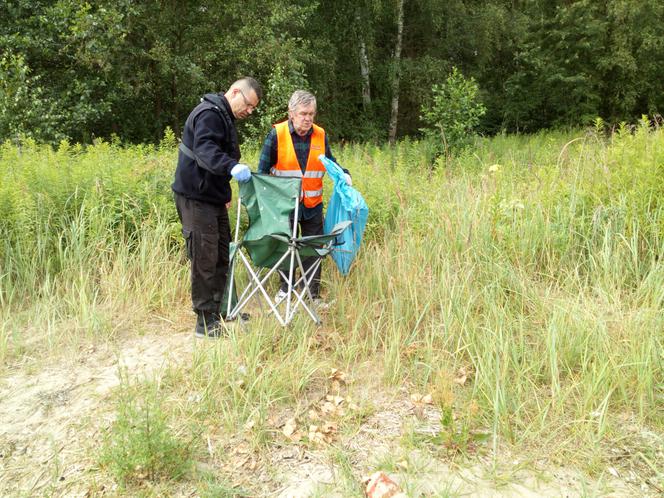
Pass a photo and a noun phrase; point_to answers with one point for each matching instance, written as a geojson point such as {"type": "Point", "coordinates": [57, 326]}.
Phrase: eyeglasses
{"type": "Point", "coordinates": [250, 106]}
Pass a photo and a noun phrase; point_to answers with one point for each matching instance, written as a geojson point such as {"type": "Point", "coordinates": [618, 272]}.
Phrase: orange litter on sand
{"type": "Point", "coordinates": [379, 485]}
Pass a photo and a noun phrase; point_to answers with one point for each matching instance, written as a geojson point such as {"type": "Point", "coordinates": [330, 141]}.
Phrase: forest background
{"type": "Point", "coordinates": [76, 70]}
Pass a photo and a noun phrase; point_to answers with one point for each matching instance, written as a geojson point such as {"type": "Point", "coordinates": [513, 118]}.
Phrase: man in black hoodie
{"type": "Point", "coordinates": [209, 157]}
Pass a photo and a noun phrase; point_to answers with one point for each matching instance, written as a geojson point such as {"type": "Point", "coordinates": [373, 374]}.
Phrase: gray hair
{"type": "Point", "coordinates": [301, 97]}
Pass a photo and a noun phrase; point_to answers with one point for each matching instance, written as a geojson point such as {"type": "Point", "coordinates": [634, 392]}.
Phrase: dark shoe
{"type": "Point", "coordinates": [244, 317]}
{"type": "Point", "coordinates": [208, 325]}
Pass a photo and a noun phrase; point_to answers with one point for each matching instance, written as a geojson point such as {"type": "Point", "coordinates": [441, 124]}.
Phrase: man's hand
{"type": "Point", "coordinates": [241, 173]}
{"type": "Point", "coordinates": [349, 180]}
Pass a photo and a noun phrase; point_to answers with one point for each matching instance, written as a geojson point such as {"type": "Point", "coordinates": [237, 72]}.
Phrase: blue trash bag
{"type": "Point", "coordinates": [346, 204]}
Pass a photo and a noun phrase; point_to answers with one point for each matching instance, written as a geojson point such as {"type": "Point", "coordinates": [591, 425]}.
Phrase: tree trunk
{"type": "Point", "coordinates": [397, 74]}
{"type": "Point", "coordinates": [364, 65]}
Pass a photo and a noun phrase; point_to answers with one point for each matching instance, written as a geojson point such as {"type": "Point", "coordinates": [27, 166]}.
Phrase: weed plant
{"type": "Point", "coordinates": [140, 447]}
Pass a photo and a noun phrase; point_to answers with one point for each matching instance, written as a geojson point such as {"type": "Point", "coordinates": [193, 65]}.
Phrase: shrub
{"type": "Point", "coordinates": [24, 110]}
{"type": "Point", "coordinates": [453, 112]}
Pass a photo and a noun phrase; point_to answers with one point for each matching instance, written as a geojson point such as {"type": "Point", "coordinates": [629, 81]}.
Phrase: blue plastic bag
{"type": "Point", "coordinates": [346, 204]}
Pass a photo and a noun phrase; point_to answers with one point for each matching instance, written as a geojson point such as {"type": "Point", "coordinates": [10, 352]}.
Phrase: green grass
{"type": "Point", "coordinates": [140, 446]}
{"type": "Point", "coordinates": [533, 262]}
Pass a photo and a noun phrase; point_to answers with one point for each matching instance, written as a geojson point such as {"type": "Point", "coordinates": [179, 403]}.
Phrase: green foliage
{"type": "Point", "coordinates": [559, 81]}
{"type": "Point", "coordinates": [169, 141]}
{"type": "Point", "coordinates": [214, 488]}
{"type": "Point", "coordinates": [140, 446]}
{"type": "Point", "coordinates": [584, 59]}
{"type": "Point", "coordinates": [24, 111]}
{"type": "Point", "coordinates": [93, 69]}
{"type": "Point", "coordinates": [67, 91]}
{"type": "Point", "coordinates": [274, 108]}
{"type": "Point", "coordinates": [54, 200]}
{"type": "Point", "coordinates": [453, 113]}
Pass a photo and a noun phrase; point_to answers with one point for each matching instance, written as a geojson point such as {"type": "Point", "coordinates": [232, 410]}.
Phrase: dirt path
{"type": "Point", "coordinates": [51, 418]}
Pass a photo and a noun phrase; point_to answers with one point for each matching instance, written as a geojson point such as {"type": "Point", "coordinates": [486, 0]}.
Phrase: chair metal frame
{"type": "Point", "coordinates": [259, 277]}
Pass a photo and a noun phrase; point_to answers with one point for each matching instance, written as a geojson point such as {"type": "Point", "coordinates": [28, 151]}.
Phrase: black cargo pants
{"type": "Point", "coordinates": [207, 234]}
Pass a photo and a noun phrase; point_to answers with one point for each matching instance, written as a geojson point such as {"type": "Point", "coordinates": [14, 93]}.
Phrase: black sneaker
{"type": "Point", "coordinates": [208, 325]}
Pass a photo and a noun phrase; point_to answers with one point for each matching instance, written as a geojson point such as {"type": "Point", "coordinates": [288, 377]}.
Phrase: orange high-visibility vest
{"type": "Point", "coordinates": [288, 166]}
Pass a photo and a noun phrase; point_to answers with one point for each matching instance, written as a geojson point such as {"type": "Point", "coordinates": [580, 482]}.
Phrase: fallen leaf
{"type": "Point", "coordinates": [328, 428]}
{"type": "Point", "coordinates": [327, 408]}
{"type": "Point", "coordinates": [332, 407]}
{"type": "Point", "coordinates": [462, 376]}
{"type": "Point", "coordinates": [315, 436]}
{"type": "Point", "coordinates": [324, 433]}
{"type": "Point", "coordinates": [337, 375]}
{"type": "Point", "coordinates": [419, 399]}
{"type": "Point", "coordinates": [289, 427]}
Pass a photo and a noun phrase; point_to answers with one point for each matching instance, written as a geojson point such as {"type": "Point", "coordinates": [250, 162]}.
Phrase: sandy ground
{"type": "Point", "coordinates": [52, 418]}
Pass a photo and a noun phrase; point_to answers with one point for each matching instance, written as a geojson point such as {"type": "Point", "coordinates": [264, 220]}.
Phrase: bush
{"type": "Point", "coordinates": [453, 113]}
{"type": "Point", "coordinates": [24, 110]}
{"type": "Point", "coordinates": [274, 108]}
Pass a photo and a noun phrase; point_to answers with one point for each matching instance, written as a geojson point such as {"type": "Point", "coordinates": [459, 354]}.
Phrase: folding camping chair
{"type": "Point", "coordinates": [272, 246]}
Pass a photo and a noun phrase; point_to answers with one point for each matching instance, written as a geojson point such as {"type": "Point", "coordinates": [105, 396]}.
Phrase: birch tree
{"type": "Point", "coordinates": [396, 74]}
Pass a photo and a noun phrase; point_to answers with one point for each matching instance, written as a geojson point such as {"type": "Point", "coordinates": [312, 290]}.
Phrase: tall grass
{"type": "Point", "coordinates": [88, 244]}
{"type": "Point", "coordinates": [532, 262]}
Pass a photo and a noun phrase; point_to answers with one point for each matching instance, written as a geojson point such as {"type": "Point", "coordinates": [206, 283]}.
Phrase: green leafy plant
{"type": "Point", "coordinates": [139, 445]}
{"type": "Point", "coordinates": [459, 433]}
{"type": "Point", "coordinates": [274, 108]}
{"type": "Point", "coordinates": [453, 112]}
{"type": "Point", "coordinates": [24, 110]}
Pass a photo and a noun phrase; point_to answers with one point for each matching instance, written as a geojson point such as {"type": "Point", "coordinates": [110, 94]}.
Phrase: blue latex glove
{"type": "Point", "coordinates": [241, 173]}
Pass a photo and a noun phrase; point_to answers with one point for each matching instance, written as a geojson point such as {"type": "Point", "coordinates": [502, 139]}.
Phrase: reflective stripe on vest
{"type": "Point", "coordinates": [289, 173]}
{"type": "Point", "coordinates": [288, 165]}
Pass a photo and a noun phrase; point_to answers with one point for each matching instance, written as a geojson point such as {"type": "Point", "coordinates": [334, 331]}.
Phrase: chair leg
{"type": "Point", "coordinates": [306, 278]}
{"type": "Point", "coordinates": [255, 285]}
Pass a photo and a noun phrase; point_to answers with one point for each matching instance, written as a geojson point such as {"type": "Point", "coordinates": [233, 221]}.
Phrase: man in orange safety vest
{"type": "Point", "coordinates": [291, 149]}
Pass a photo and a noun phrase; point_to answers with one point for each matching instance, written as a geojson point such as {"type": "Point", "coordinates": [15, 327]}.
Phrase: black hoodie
{"type": "Point", "coordinates": [210, 135]}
